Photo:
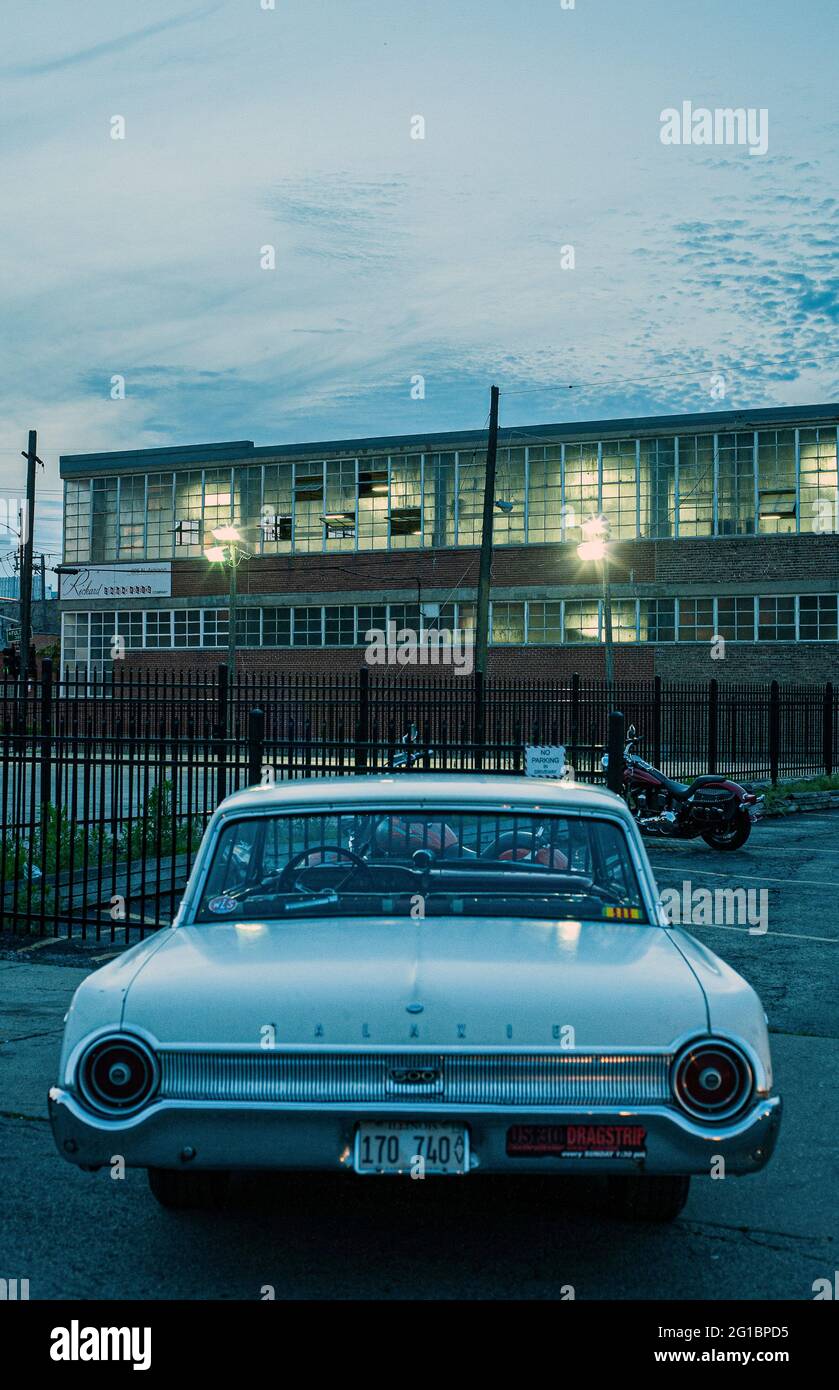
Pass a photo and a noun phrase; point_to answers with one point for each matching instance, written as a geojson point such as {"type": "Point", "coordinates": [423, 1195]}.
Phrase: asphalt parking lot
{"type": "Point", "coordinates": [768, 1236]}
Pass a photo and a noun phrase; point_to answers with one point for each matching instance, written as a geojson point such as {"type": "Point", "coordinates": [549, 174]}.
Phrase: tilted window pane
{"type": "Point", "coordinates": [776, 481]}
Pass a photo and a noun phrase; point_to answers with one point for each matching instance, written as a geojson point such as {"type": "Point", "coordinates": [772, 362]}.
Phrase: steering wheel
{"type": "Point", "coordinates": [285, 879]}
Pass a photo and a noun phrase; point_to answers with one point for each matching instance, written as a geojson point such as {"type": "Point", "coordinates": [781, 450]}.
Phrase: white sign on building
{"type": "Point", "coordinates": [147, 580]}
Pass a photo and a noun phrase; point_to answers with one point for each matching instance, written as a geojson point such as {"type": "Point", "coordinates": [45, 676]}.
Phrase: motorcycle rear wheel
{"type": "Point", "coordinates": [729, 839]}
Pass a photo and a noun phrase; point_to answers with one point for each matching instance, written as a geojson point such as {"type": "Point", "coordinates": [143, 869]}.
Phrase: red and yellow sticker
{"type": "Point", "coordinates": [625, 914]}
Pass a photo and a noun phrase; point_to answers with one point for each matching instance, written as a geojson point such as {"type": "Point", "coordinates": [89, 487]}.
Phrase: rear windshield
{"type": "Point", "coordinates": [421, 863]}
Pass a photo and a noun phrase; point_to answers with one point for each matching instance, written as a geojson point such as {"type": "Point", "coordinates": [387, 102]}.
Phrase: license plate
{"type": "Point", "coordinates": [415, 1149]}
{"type": "Point", "coordinates": [577, 1141]}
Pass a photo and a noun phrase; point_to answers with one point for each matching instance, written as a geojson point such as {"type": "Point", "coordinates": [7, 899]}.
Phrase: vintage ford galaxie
{"type": "Point", "coordinates": [418, 974]}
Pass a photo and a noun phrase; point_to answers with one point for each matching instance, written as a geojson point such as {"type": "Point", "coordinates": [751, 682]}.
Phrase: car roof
{"type": "Point", "coordinates": [428, 788]}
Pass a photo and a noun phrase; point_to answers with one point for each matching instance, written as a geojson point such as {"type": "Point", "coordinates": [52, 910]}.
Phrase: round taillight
{"type": "Point", "coordinates": [117, 1074]}
{"type": "Point", "coordinates": [712, 1080]}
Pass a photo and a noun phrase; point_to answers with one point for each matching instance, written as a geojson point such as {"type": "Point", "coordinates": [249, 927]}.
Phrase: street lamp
{"type": "Point", "coordinates": [595, 547]}
{"type": "Point", "coordinates": [228, 551]}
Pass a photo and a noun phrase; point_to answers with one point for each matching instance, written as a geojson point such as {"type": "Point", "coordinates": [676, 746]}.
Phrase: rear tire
{"type": "Point", "coordinates": [181, 1190]}
{"type": "Point", "coordinates": [728, 840]}
{"type": "Point", "coordinates": [648, 1198]}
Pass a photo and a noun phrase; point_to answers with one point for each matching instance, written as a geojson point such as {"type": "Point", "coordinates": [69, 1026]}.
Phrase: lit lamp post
{"type": "Point", "coordinates": [228, 551]}
{"type": "Point", "coordinates": [596, 547]}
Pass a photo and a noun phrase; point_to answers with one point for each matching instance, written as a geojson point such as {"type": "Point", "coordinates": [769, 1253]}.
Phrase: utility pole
{"type": "Point", "coordinates": [485, 572]}
{"type": "Point", "coordinates": [231, 627]}
{"type": "Point", "coordinates": [27, 535]}
{"type": "Point", "coordinates": [607, 621]}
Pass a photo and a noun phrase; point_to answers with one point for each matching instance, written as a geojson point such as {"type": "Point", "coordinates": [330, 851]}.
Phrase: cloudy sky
{"type": "Point", "coordinates": [247, 127]}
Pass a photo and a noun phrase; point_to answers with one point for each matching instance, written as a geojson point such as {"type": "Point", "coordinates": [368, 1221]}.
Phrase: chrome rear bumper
{"type": "Point", "coordinates": [175, 1134]}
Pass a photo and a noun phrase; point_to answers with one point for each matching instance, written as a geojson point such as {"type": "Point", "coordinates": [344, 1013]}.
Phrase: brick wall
{"type": "Point", "coordinates": [512, 566]}
{"type": "Point", "coordinates": [795, 663]}
{"type": "Point", "coordinates": [538, 662]}
{"type": "Point", "coordinates": [749, 560]}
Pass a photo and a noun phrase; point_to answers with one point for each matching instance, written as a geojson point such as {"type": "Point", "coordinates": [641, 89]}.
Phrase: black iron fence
{"type": "Point", "coordinates": [105, 790]}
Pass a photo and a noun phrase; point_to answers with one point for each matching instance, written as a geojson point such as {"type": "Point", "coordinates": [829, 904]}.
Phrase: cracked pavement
{"type": "Point", "coordinates": [767, 1236]}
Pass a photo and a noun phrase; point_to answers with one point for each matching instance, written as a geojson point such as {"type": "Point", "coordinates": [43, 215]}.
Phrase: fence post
{"type": "Point", "coordinates": [46, 733]}
{"type": "Point", "coordinates": [221, 733]}
{"type": "Point", "coordinates": [615, 747]}
{"type": "Point", "coordinates": [713, 724]}
{"type": "Point", "coordinates": [827, 728]}
{"type": "Point", "coordinates": [256, 741]}
{"type": "Point", "coordinates": [656, 743]}
{"type": "Point", "coordinates": [774, 730]}
{"type": "Point", "coordinates": [575, 718]}
{"type": "Point", "coordinates": [362, 727]}
{"type": "Point", "coordinates": [480, 718]}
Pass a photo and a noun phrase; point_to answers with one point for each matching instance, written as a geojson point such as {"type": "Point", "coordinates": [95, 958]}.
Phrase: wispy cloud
{"type": "Point", "coordinates": [109, 46]}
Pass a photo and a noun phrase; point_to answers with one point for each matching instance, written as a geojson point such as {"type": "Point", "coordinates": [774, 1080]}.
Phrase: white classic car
{"type": "Point", "coordinates": [418, 974]}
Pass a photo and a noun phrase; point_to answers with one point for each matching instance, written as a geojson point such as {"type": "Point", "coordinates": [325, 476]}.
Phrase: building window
{"type": "Point", "coordinates": [624, 620]}
{"type": "Point", "coordinates": [159, 628]}
{"type": "Point", "coordinates": [103, 546]}
{"type": "Point", "coordinates": [776, 481]}
{"type": "Point", "coordinates": [658, 620]}
{"type": "Point", "coordinates": [658, 487]}
{"type": "Point", "coordinates": [369, 617]}
{"type": "Point", "coordinates": [736, 619]}
{"type": "Point", "coordinates": [620, 487]}
{"type": "Point", "coordinates": [508, 521]}
{"type": "Point", "coordinates": [544, 622]}
{"type": "Point", "coordinates": [276, 627]}
{"type": "Point", "coordinates": [277, 506]}
{"type": "Point", "coordinates": [776, 619]}
{"type": "Point", "coordinates": [373, 504]}
{"type": "Point", "coordinates": [406, 502]}
{"type": "Point", "coordinates": [132, 518]}
{"type": "Point", "coordinates": [471, 475]}
{"type": "Point", "coordinates": [188, 512]}
{"type": "Point", "coordinates": [160, 524]}
{"type": "Point", "coordinates": [187, 532]}
{"type": "Point", "coordinates": [696, 619]}
{"type": "Point", "coordinates": [307, 627]}
{"type": "Point", "coordinates": [736, 484]}
{"type": "Point", "coordinates": [76, 521]}
{"type": "Point", "coordinates": [339, 626]}
{"type": "Point", "coordinates": [817, 618]}
{"type": "Point", "coordinates": [215, 627]}
{"type": "Point", "coordinates": [339, 507]}
{"type": "Point", "coordinates": [818, 483]}
{"type": "Point", "coordinates": [508, 623]}
{"type": "Point", "coordinates": [544, 494]}
{"type": "Point", "coordinates": [581, 485]}
{"type": "Point", "coordinates": [582, 620]}
{"type": "Point", "coordinates": [696, 485]}
{"type": "Point", "coordinates": [129, 626]}
{"type": "Point", "coordinates": [249, 627]}
{"type": "Point", "coordinates": [187, 627]}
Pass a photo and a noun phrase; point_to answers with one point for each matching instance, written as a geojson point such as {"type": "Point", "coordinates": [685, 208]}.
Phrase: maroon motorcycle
{"type": "Point", "coordinates": [715, 808]}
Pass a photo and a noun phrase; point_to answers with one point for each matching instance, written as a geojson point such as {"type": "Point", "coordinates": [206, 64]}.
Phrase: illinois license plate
{"type": "Point", "coordinates": [416, 1149]}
